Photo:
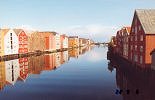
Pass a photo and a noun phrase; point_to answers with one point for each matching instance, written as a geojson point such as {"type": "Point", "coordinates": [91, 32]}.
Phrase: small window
{"type": "Point", "coordinates": [131, 47]}
{"type": "Point", "coordinates": [141, 59]}
{"type": "Point", "coordinates": [141, 48]}
{"type": "Point", "coordinates": [141, 37]}
{"type": "Point", "coordinates": [136, 47]}
{"type": "Point", "coordinates": [10, 34]}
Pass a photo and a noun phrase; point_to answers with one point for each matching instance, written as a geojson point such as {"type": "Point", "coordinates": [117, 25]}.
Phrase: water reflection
{"type": "Point", "coordinates": [133, 83]}
{"type": "Point", "coordinates": [19, 69]}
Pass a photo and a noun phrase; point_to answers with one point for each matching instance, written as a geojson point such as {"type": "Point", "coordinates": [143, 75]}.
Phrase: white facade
{"type": "Point", "coordinates": [12, 71]}
{"type": "Point", "coordinates": [65, 42]}
{"type": "Point", "coordinates": [153, 60]}
{"type": "Point", "coordinates": [57, 41]}
{"type": "Point", "coordinates": [11, 43]}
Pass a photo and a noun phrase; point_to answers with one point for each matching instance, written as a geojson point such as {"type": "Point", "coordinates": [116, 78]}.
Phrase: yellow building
{"type": "Point", "coordinates": [2, 75]}
{"type": "Point", "coordinates": [73, 41]}
{"type": "Point", "coordinates": [2, 34]}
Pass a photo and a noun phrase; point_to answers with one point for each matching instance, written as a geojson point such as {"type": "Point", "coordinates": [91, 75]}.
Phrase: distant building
{"type": "Point", "coordinates": [49, 38]}
{"type": "Point", "coordinates": [125, 37]}
{"type": "Point", "coordinates": [82, 42]}
{"type": "Point", "coordinates": [36, 42]}
{"type": "Point", "coordinates": [119, 43]}
{"type": "Point", "coordinates": [73, 41]}
{"type": "Point", "coordinates": [9, 43]}
{"type": "Point", "coordinates": [57, 41]}
{"type": "Point", "coordinates": [142, 36]}
{"type": "Point", "coordinates": [63, 41]}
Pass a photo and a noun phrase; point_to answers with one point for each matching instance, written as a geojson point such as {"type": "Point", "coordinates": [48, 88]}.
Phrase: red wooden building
{"type": "Point", "coordinates": [23, 41]}
{"type": "Point", "coordinates": [125, 40]}
{"type": "Point", "coordinates": [119, 42]}
{"type": "Point", "coordinates": [49, 38]}
{"type": "Point", "coordinates": [142, 37]}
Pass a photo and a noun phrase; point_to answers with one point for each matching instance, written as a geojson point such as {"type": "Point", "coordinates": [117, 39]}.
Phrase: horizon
{"type": "Point", "coordinates": [97, 20]}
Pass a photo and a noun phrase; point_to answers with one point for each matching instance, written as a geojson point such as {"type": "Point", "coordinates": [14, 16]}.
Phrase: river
{"type": "Point", "coordinates": [79, 74]}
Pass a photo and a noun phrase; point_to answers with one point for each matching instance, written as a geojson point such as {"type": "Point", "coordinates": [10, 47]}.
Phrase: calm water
{"type": "Point", "coordinates": [80, 74]}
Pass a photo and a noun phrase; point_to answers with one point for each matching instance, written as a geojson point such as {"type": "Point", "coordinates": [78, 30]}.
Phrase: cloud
{"type": "Point", "coordinates": [26, 27]}
{"type": "Point", "coordinates": [96, 32]}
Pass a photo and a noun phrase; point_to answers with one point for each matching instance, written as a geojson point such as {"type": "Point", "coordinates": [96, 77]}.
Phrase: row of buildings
{"type": "Point", "coordinates": [18, 41]}
{"type": "Point", "coordinates": [19, 69]}
{"type": "Point", "coordinates": [136, 42]}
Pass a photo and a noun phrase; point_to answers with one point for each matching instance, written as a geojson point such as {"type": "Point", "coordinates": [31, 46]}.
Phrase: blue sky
{"type": "Point", "coordinates": [96, 19]}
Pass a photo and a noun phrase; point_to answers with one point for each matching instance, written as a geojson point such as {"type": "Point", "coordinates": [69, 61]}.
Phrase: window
{"type": "Point", "coordinates": [141, 59]}
{"type": "Point", "coordinates": [131, 47]}
{"type": "Point", "coordinates": [141, 37]}
{"type": "Point", "coordinates": [136, 47]}
{"type": "Point", "coordinates": [135, 58]}
{"type": "Point", "coordinates": [141, 48]}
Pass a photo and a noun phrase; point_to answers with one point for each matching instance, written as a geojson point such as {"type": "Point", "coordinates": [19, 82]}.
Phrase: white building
{"type": "Point", "coordinates": [65, 42]}
{"type": "Point", "coordinates": [12, 71]}
{"type": "Point", "coordinates": [10, 43]}
{"type": "Point", "coordinates": [57, 41]}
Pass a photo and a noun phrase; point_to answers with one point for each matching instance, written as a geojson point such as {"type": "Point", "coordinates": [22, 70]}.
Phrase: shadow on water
{"type": "Point", "coordinates": [133, 83]}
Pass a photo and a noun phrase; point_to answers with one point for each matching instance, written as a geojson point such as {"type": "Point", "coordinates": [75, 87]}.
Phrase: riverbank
{"type": "Point", "coordinates": [37, 53]}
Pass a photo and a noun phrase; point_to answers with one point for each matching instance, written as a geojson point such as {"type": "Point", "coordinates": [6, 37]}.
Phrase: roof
{"type": "Point", "coordinates": [147, 19]}
{"type": "Point", "coordinates": [17, 31]}
{"type": "Point", "coordinates": [73, 37]}
{"type": "Point", "coordinates": [46, 33]}
{"type": "Point", "coordinates": [4, 31]}
{"type": "Point", "coordinates": [128, 29]}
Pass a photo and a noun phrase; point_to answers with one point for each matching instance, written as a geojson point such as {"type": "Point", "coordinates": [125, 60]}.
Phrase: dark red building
{"type": "Point", "coordinates": [142, 36]}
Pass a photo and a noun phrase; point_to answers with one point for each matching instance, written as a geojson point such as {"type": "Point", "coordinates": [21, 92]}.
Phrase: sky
{"type": "Point", "coordinates": [94, 19]}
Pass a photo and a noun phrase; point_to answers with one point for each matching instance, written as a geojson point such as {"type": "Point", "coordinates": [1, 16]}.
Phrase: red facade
{"type": "Point", "coordinates": [23, 42]}
{"type": "Point", "coordinates": [141, 43]}
{"type": "Point", "coordinates": [119, 43]}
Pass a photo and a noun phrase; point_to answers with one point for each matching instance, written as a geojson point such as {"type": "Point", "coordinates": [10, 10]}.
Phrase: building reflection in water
{"type": "Point", "coordinates": [19, 69]}
{"type": "Point", "coordinates": [134, 83]}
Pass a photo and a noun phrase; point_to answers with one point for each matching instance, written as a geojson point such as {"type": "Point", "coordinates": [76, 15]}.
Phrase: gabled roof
{"type": "Point", "coordinates": [17, 31]}
{"type": "Point", "coordinates": [147, 19]}
{"type": "Point", "coordinates": [128, 29]}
